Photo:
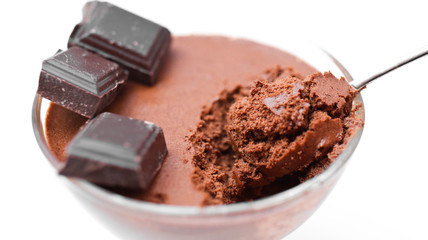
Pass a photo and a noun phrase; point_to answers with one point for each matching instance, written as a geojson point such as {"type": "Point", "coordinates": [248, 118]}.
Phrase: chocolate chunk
{"type": "Point", "coordinates": [80, 81]}
{"type": "Point", "coordinates": [137, 44]}
{"type": "Point", "coordinates": [116, 151]}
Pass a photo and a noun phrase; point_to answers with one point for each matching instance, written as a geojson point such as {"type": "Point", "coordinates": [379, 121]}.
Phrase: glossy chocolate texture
{"type": "Point", "coordinates": [137, 44]}
{"type": "Point", "coordinates": [116, 151]}
{"type": "Point", "coordinates": [80, 81]}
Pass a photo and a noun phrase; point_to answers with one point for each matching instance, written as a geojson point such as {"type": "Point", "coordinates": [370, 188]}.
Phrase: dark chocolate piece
{"type": "Point", "coordinates": [116, 151]}
{"type": "Point", "coordinates": [137, 44]}
{"type": "Point", "coordinates": [80, 81]}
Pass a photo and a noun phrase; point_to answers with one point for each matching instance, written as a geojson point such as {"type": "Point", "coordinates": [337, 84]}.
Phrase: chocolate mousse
{"type": "Point", "coordinates": [225, 109]}
{"type": "Point", "coordinates": [250, 138]}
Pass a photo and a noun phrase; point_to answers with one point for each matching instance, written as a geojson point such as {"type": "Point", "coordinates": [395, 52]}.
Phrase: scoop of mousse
{"type": "Point", "coordinates": [255, 141]}
{"type": "Point", "coordinates": [283, 126]}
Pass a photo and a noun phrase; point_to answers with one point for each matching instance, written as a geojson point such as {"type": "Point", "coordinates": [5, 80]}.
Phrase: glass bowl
{"type": "Point", "coordinates": [272, 217]}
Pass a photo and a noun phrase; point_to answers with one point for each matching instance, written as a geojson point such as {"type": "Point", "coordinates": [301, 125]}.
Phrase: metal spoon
{"type": "Point", "coordinates": [361, 84]}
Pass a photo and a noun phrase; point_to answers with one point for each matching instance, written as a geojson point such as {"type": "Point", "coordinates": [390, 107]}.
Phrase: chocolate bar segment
{"type": "Point", "coordinates": [116, 151]}
{"type": "Point", "coordinates": [80, 81]}
{"type": "Point", "coordinates": [137, 44]}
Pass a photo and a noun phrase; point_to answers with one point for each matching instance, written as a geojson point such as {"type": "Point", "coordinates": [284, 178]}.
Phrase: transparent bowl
{"type": "Point", "coordinates": [269, 218]}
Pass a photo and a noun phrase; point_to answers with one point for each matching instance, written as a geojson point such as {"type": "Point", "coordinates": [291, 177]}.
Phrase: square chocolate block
{"type": "Point", "coordinates": [116, 151]}
{"type": "Point", "coordinates": [137, 44]}
{"type": "Point", "coordinates": [80, 81]}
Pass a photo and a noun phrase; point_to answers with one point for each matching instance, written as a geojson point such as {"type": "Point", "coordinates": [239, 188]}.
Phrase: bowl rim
{"type": "Point", "coordinates": [104, 196]}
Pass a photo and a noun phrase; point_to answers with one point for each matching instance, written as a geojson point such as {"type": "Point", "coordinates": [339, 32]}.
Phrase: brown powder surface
{"type": "Point", "coordinates": [65, 128]}
{"type": "Point", "coordinates": [284, 130]}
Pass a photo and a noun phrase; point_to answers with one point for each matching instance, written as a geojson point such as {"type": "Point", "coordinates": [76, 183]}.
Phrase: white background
{"type": "Point", "coordinates": [383, 192]}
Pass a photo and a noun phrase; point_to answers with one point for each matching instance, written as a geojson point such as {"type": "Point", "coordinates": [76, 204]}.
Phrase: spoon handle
{"type": "Point", "coordinates": [360, 84]}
